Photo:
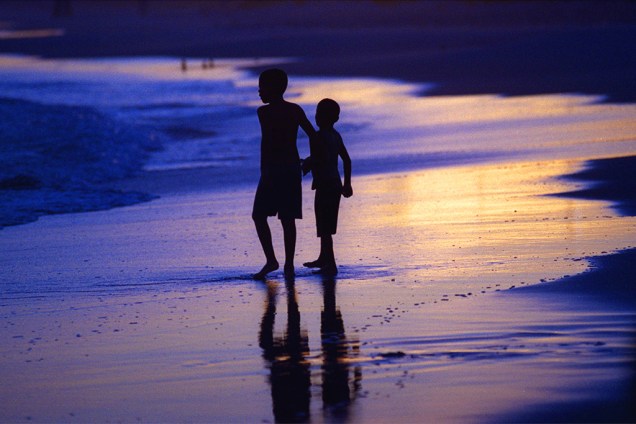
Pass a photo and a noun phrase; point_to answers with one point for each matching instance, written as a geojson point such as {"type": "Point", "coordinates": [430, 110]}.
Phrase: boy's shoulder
{"type": "Point", "coordinates": [293, 107]}
{"type": "Point", "coordinates": [329, 132]}
{"type": "Point", "coordinates": [291, 104]}
{"type": "Point", "coordinates": [282, 107]}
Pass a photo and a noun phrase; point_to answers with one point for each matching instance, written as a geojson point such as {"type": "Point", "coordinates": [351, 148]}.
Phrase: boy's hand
{"type": "Point", "coordinates": [306, 165]}
{"type": "Point", "coordinates": [347, 191]}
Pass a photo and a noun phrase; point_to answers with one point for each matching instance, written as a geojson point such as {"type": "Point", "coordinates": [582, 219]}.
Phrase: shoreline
{"type": "Point", "coordinates": [607, 286]}
{"type": "Point", "coordinates": [609, 179]}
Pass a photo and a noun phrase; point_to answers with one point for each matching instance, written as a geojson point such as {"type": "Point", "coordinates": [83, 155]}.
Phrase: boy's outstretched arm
{"type": "Point", "coordinates": [311, 133]}
{"type": "Point", "coordinates": [347, 190]}
{"type": "Point", "coordinates": [308, 129]}
{"type": "Point", "coordinates": [306, 126]}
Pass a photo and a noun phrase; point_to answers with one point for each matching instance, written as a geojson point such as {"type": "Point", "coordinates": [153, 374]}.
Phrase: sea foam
{"type": "Point", "coordinates": [57, 159]}
{"type": "Point", "coordinates": [72, 128]}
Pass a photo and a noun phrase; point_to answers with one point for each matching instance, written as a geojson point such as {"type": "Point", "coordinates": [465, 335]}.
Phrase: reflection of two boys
{"type": "Point", "coordinates": [286, 356]}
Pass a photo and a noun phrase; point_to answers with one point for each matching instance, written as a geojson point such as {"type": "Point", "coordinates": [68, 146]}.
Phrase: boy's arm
{"type": "Point", "coordinates": [306, 164]}
{"type": "Point", "coordinates": [311, 133]}
{"type": "Point", "coordinates": [260, 112]}
{"type": "Point", "coordinates": [305, 124]}
{"type": "Point", "coordinates": [347, 190]}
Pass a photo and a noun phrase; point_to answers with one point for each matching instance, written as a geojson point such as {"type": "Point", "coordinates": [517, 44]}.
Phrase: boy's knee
{"type": "Point", "coordinates": [288, 223]}
{"type": "Point", "coordinates": [259, 219]}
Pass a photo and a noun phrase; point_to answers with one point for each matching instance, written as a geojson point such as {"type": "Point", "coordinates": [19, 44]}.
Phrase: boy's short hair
{"type": "Point", "coordinates": [274, 78]}
{"type": "Point", "coordinates": [329, 109]}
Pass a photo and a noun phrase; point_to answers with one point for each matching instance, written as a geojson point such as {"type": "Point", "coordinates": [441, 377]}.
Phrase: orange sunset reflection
{"type": "Point", "coordinates": [493, 222]}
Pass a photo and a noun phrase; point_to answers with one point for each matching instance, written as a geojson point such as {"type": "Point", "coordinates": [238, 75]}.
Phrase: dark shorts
{"type": "Point", "coordinates": [326, 205]}
{"type": "Point", "coordinates": [279, 193]}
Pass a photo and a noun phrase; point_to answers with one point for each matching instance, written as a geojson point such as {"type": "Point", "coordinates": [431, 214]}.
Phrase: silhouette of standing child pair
{"type": "Point", "coordinates": [279, 190]}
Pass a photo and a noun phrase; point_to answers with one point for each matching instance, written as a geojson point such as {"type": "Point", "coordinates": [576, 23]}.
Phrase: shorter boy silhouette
{"type": "Point", "coordinates": [323, 162]}
{"type": "Point", "coordinates": [279, 188]}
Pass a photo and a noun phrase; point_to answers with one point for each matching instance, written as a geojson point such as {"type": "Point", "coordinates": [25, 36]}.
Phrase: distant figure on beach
{"type": "Point", "coordinates": [207, 64]}
{"type": "Point", "coordinates": [279, 188]}
{"type": "Point", "coordinates": [323, 163]}
{"type": "Point", "coordinates": [184, 65]}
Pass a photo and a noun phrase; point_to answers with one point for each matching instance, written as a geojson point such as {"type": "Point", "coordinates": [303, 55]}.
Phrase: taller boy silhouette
{"type": "Point", "coordinates": [279, 188]}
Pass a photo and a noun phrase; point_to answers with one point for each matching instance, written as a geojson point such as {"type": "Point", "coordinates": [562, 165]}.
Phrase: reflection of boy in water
{"type": "Point", "coordinates": [279, 188]}
{"type": "Point", "coordinates": [323, 162]}
{"type": "Point", "coordinates": [337, 352]}
{"type": "Point", "coordinates": [290, 376]}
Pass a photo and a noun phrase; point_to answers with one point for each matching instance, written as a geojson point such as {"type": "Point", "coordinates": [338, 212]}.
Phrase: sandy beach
{"type": "Point", "coordinates": [486, 259]}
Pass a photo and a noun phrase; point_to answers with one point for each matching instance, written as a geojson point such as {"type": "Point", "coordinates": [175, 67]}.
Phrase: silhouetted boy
{"type": "Point", "coordinates": [323, 162]}
{"type": "Point", "coordinates": [279, 188]}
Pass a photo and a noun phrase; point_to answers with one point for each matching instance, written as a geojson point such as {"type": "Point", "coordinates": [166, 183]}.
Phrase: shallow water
{"type": "Point", "coordinates": [88, 123]}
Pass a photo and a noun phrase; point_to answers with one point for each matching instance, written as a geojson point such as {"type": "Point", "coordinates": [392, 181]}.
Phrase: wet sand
{"type": "Point", "coordinates": [428, 319]}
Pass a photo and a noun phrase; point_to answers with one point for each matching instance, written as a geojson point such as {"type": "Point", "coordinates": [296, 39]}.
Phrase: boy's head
{"type": "Point", "coordinates": [327, 113]}
{"type": "Point", "coordinates": [272, 84]}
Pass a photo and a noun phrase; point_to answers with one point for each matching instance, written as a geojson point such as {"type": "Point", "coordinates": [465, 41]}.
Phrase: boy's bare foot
{"type": "Point", "coordinates": [269, 267]}
{"type": "Point", "coordinates": [314, 264]}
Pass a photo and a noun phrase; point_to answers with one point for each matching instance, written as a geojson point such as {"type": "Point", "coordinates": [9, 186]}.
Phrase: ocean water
{"type": "Point", "coordinates": [71, 128]}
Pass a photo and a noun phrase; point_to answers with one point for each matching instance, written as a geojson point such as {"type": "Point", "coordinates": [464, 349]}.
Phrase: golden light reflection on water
{"type": "Point", "coordinates": [401, 101]}
{"type": "Point", "coordinates": [492, 223]}
{"type": "Point", "coordinates": [392, 116]}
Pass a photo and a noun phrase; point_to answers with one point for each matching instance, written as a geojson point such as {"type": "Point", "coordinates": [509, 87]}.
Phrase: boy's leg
{"type": "Point", "coordinates": [289, 235]}
{"type": "Point", "coordinates": [326, 248]}
{"type": "Point", "coordinates": [265, 237]}
{"type": "Point", "coordinates": [318, 263]}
